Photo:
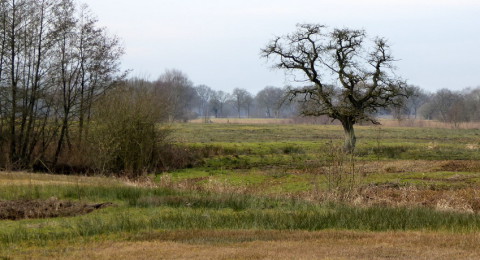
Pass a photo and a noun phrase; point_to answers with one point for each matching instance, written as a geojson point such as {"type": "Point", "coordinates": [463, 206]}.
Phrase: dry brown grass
{"type": "Point", "coordinates": [428, 123]}
{"type": "Point", "coordinates": [255, 121]}
{"type": "Point", "coordinates": [384, 122]}
{"type": "Point", "coordinates": [26, 178]}
{"type": "Point", "coordinates": [458, 195]}
{"type": "Point", "coordinates": [205, 184]}
{"type": "Point", "coordinates": [280, 245]}
{"type": "Point", "coordinates": [404, 166]}
{"type": "Point", "coordinates": [455, 193]}
{"type": "Point", "coordinates": [462, 200]}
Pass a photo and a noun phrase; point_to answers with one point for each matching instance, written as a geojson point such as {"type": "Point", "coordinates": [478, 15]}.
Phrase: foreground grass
{"type": "Point", "coordinates": [257, 187]}
{"type": "Point", "coordinates": [134, 220]}
{"type": "Point", "coordinates": [246, 244]}
{"type": "Point", "coordinates": [142, 209]}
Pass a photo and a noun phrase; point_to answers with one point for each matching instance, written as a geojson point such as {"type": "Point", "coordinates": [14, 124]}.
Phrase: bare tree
{"type": "Point", "coordinates": [68, 66]}
{"type": "Point", "coordinates": [271, 100]}
{"type": "Point", "coordinates": [417, 97]}
{"type": "Point", "coordinates": [427, 111]}
{"type": "Point", "coordinates": [443, 101]}
{"type": "Point", "coordinates": [176, 88]}
{"type": "Point", "coordinates": [205, 95]}
{"type": "Point", "coordinates": [99, 60]}
{"type": "Point", "coordinates": [27, 36]}
{"type": "Point", "coordinates": [3, 57]}
{"type": "Point", "coordinates": [409, 105]}
{"type": "Point", "coordinates": [449, 106]}
{"type": "Point", "coordinates": [248, 103]}
{"type": "Point", "coordinates": [239, 98]}
{"type": "Point", "coordinates": [54, 60]}
{"type": "Point", "coordinates": [218, 101]}
{"type": "Point", "coordinates": [349, 77]}
{"type": "Point", "coordinates": [472, 103]}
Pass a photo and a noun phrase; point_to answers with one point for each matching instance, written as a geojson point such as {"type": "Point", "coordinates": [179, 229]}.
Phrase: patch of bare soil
{"type": "Point", "coordinates": [460, 166]}
{"type": "Point", "coordinates": [50, 208]}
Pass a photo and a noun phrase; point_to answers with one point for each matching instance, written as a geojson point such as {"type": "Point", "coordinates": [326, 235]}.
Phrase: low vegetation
{"type": "Point", "coordinates": [138, 176]}
{"type": "Point", "coordinates": [249, 182]}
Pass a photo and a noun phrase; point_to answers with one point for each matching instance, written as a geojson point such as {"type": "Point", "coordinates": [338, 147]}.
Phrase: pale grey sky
{"type": "Point", "coordinates": [217, 42]}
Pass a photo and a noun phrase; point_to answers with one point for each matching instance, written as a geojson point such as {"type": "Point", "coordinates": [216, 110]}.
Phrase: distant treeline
{"type": "Point", "coordinates": [188, 101]}
{"type": "Point", "coordinates": [184, 100]}
{"type": "Point", "coordinates": [444, 105]}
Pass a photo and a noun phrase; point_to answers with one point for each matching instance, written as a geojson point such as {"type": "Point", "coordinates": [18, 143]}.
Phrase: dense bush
{"type": "Point", "coordinates": [125, 136]}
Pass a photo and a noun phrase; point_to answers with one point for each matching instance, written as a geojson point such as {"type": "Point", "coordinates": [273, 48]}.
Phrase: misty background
{"type": "Point", "coordinates": [217, 43]}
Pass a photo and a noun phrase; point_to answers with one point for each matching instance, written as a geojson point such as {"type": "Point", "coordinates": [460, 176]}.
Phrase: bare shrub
{"type": "Point", "coordinates": [125, 137]}
{"type": "Point", "coordinates": [341, 174]}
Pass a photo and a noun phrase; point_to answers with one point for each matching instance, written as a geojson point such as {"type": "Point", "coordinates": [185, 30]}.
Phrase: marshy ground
{"type": "Point", "coordinates": [266, 191]}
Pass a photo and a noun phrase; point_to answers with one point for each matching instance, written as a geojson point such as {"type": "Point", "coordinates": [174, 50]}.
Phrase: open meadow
{"type": "Point", "coordinates": [262, 191]}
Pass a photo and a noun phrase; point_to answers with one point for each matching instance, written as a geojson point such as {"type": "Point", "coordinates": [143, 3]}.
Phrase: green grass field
{"type": "Point", "coordinates": [275, 157]}
{"type": "Point", "coordinates": [254, 181]}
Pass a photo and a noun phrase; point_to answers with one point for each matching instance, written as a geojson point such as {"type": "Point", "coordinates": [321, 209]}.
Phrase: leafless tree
{"type": "Point", "coordinates": [347, 76]}
{"type": "Point", "coordinates": [472, 103]}
{"type": "Point", "coordinates": [99, 60]}
{"type": "Point", "coordinates": [204, 95]}
{"type": "Point", "coordinates": [248, 103]}
{"type": "Point", "coordinates": [240, 98]}
{"type": "Point", "coordinates": [218, 101]}
{"type": "Point", "coordinates": [417, 97]}
{"type": "Point", "coordinates": [271, 100]}
{"type": "Point", "coordinates": [87, 64]}
{"type": "Point", "coordinates": [449, 106]}
{"type": "Point", "coordinates": [427, 111]}
{"type": "Point", "coordinates": [443, 101]}
{"type": "Point", "coordinates": [176, 88]}
{"type": "Point", "coordinates": [54, 61]}
{"type": "Point", "coordinates": [409, 106]}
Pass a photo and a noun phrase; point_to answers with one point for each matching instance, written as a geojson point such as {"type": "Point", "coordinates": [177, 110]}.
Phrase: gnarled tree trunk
{"type": "Point", "coordinates": [350, 139]}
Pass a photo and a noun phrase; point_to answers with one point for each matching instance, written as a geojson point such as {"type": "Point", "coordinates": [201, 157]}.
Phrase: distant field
{"type": "Point", "coordinates": [243, 121]}
{"type": "Point", "coordinates": [265, 190]}
{"type": "Point", "coordinates": [384, 122]}
{"type": "Point", "coordinates": [422, 165]}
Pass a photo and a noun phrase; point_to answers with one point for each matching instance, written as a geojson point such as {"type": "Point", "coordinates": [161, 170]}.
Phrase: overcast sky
{"type": "Point", "coordinates": [217, 42]}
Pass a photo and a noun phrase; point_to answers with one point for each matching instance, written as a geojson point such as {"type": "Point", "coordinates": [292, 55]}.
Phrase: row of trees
{"type": "Point", "coordinates": [183, 100]}
{"type": "Point", "coordinates": [443, 105]}
{"type": "Point", "coordinates": [55, 61]}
